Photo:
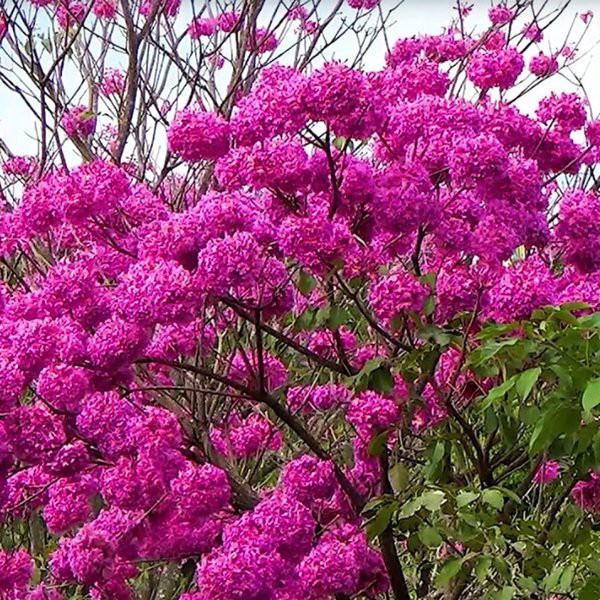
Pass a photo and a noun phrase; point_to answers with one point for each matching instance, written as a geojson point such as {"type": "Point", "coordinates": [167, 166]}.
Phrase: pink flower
{"type": "Point", "coordinates": [371, 413]}
{"type": "Point", "coordinates": [533, 32]}
{"type": "Point", "coordinates": [543, 65]}
{"type": "Point", "coordinates": [202, 27]}
{"type": "Point", "coordinates": [311, 27]}
{"type": "Point", "coordinates": [567, 110]}
{"type": "Point", "coordinates": [21, 166]}
{"type": "Point", "coordinates": [592, 132]}
{"type": "Point", "coordinates": [243, 438]}
{"type": "Point", "coordinates": [227, 21]}
{"type": "Point", "coordinates": [500, 14]}
{"type": "Point", "coordinates": [3, 26]}
{"type": "Point", "coordinates": [70, 13]}
{"type": "Point", "coordinates": [364, 4]}
{"type": "Point", "coordinates": [548, 472]}
{"type": "Point", "coordinates": [341, 562]}
{"type": "Point", "coordinates": [495, 68]}
{"type": "Point", "coordinates": [262, 41]}
{"type": "Point", "coordinates": [79, 122]}
{"type": "Point", "coordinates": [351, 223]}
{"type": "Point", "coordinates": [397, 292]}
{"type": "Point", "coordinates": [197, 135]}
{"type": "Point", "coordinates": [165, 107]}
{"type": "Point", "coordinates": [297, 13]}
{"type": "Point", "coordinates": [113, 82]}
{"type": "Point", "coordinates": [167, 7]}
{"type": "Point", "coordinates": [576, 233]}
{"type": "Point", "coordinates": [16, 569]}
{"type": "Point", "coordinates": [106, 9]}
{"type": "Point", "coordinates": [245, 370]}
{"type": "Point", "coordinates": [586, 493]}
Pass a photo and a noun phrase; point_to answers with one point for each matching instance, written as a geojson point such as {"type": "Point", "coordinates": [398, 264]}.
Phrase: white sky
{"type": "Point", "coordinates": [413, 17]}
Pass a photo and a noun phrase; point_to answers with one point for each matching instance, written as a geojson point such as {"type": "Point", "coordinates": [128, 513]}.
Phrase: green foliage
{"type": "Point", "coordinates": [470, 515]}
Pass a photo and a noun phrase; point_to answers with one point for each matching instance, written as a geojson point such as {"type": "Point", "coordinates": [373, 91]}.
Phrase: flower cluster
{"type": "Point", "coordinates": [198, 135]}
{"type": "Point", "coordinates": [79, 122]}
{"type": "Point", "coordinates": [195, 359]}
{"type": "Point", "coordinates": [113, 82]}
{"type": "Point", "coordinates": [105, 9]}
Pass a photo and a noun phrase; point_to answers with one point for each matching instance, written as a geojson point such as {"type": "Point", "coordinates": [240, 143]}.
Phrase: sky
{"type": "Point", "coordinates": [413, 17]}
{"type": "Point", "coordinates": [431, 16]}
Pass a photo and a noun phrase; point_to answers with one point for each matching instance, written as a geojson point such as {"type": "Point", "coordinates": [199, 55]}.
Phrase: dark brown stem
{"type": "Point", "coordinates": [553, 512]}
{"type": "Point", "coordinates": [282, 413]}
{"type": "Point", "coordinates": [335, 188]}
{"type": "Point", "coordinates": [387, 543]}
{"type": "Point", "coordinates": [372, 322]}
{"type": "Point", "coordinates": [259, 352]}
{"type": "Point", "coordinates": [278, 335]}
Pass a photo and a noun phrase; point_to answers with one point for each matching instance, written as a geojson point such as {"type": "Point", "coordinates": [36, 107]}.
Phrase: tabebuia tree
{"type": "Point", "coordinates": [293, 309]}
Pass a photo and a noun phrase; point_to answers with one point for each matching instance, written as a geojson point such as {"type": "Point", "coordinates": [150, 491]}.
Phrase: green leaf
{"type": "Point", "coordinates": [374, 503]}
{"type": "Point", "coordinates": [433, 500]}
{"type": "Point", "coordinates": [339, 142]}
{"type": "Point", "coordinates": [429, 279]}
{"type": "Point", "coordinates": [482, 568]}
{"type": "Point", "coordinates": [371, 365]}
{"type": "Point", "coordinates": [399, 477]}
{"type": "Point", "coordinates": [47, 43]}
{"type": "Point", "coordinates": [552, 580]}
{"type": "Point", "coordinates": [450, 569]}
{"type": "Point", "coordinates": [591, 590]}
{"type": "Point", "coordinates": [497, 392]}
{"type": "Point", "coordinates": [590, 321]}
{"type": "Point", "coordinates": [527, 583]}
{"type": "Point", "coordinates": [494, 498]}
{"type": "Point", "coordinates": [529, 415]}
{"type": "Point", "coordinates": [378, 524]}
{"type": "Point", "coordinates": [436, 334]}
{"type": "Point", "coordinates": [539, 436]}
{"type": "Point", "coordinates": [510, 494]}
{"type": "Point", "coordinates": [593, 564]}
{"type": "Point", "coordinates": [306, 321]}
{"type": "Point", "coordinates": [526, 381]}
{"type": "Point", "coordinates": [430, 537]}
{"type": "Point", "coordinates": [413, 543]}
{"type": "Point", "coordinates": [520, 547]}
{"type": "Point", "coordinates": [506, 593]}
{"type": "Point", "coordinates": [381, 380]}
{"type": "Point", "coordinates": [501, 566]}
{"type": "Point", "coordinates": [555, 421]}
{"type": "Point", "coordinates": [568, 419]}
{"type": "Point", "coordinates": [429, 305]}
{"type": "Point", "coordinates": [361, 379]}
{"type": "Point", "coordinates": [566, 579]}
{"type": "Point", "coordinates": [436, 458]}
{"type": "Point", "coordinates": [338, 316]}
{"type": "Point", "coordinates": [322, 316]}
{"type": "Point", "coordinates": [495, 331]}
{"type": "Point", "coordinates": [306, 283]}
{"type": "Point", "coordinates": [591, 396]}
{"type": "Point", "coordinates": [571, 306]}
{"type": "Point", "coordinates": [377, 445]}
{"type": "Point", "coordinates": [410, 508]}
{"type": "Point", "coordinates": [565, 316]}
{"type": "Point", "coordinates": [466, 498]}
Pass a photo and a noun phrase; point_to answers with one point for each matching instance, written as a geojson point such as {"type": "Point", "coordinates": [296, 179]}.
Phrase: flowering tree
{"type": "Point", "coordinates": [275, 326]}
